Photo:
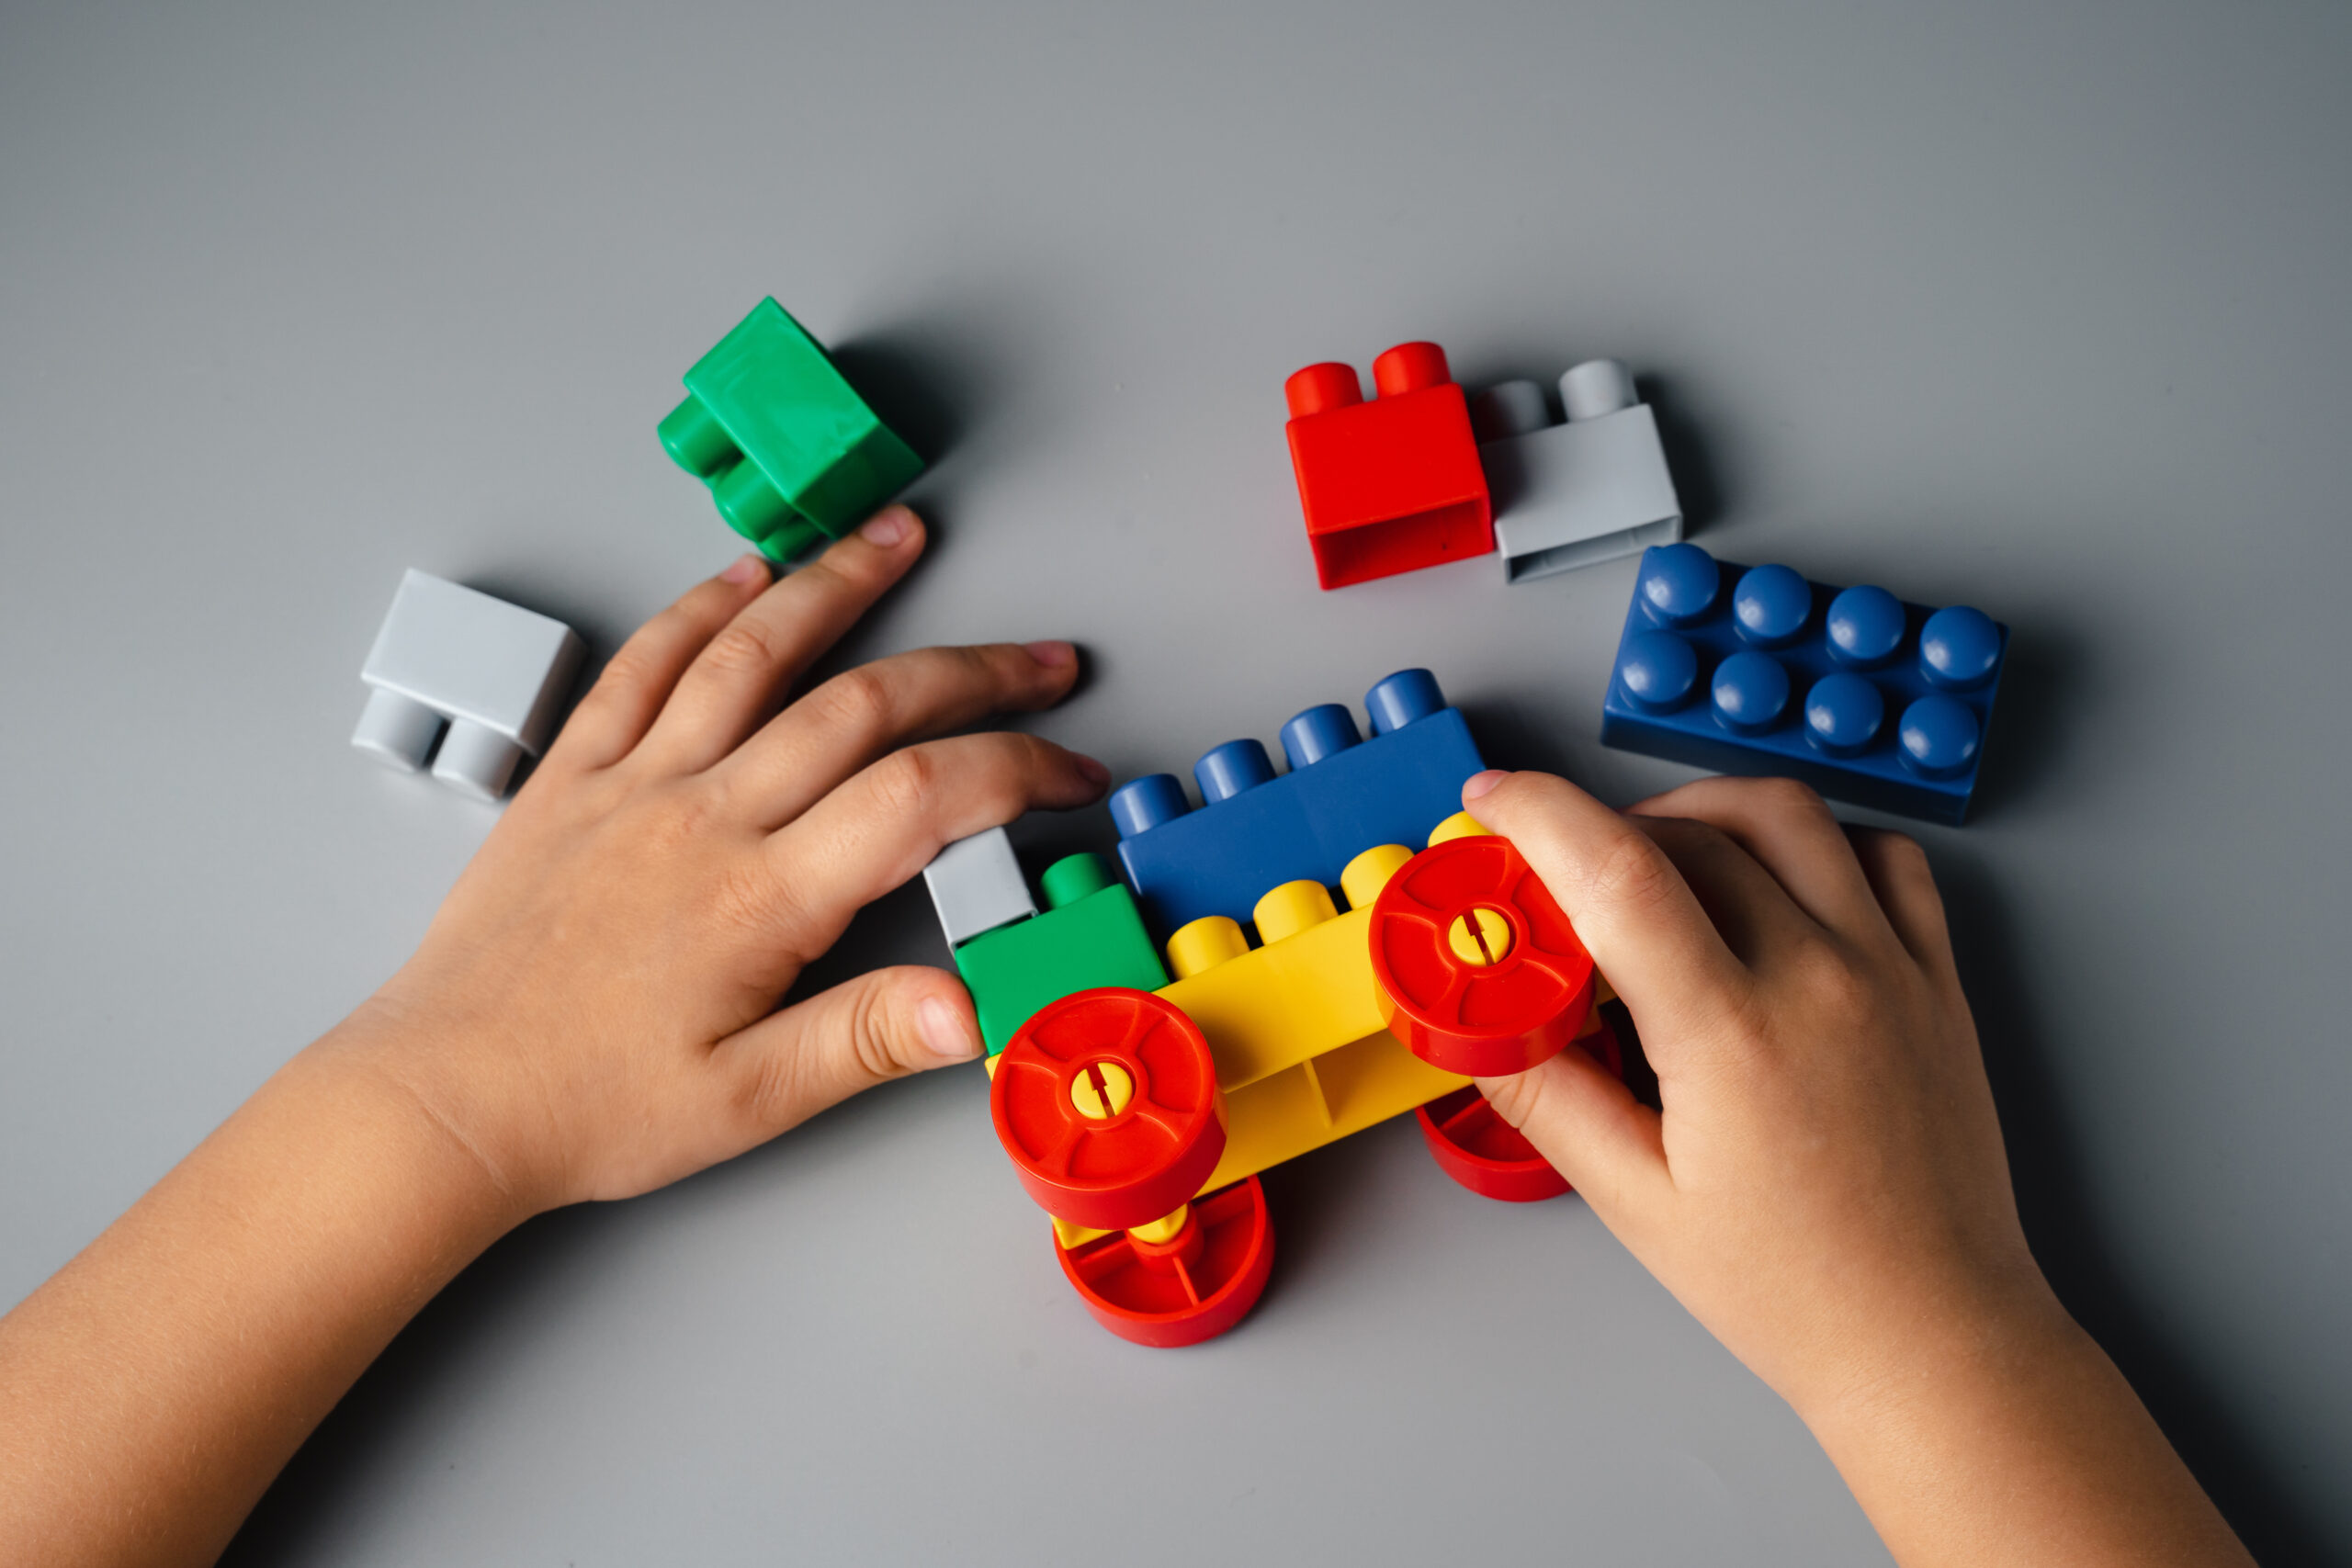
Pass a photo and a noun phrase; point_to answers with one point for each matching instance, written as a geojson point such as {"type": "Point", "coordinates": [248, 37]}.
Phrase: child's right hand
{"type": "Point", "coordinates": [1827, 1178]}
{"type": "Point", "coordinates": [1824, 1187]}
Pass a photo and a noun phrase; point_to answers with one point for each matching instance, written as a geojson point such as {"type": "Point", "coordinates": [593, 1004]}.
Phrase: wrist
{"type": "Point", "coordinates": [429, 1086]}
{"type": "Point", "coordinates": [2005, 1434]}
{"type": "Point", "coordinates": [1922, 1343]}
{"type": "Point", "coordinates": [1964, 1355]}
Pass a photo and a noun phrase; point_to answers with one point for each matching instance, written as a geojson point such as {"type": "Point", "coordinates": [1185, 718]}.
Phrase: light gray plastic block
{"type": "Point", "coordinates": [1572, 493]}
{"type": "Point", "coordinates": [495, 673]}
{"type": "Point", "coordinates": [978, 886]}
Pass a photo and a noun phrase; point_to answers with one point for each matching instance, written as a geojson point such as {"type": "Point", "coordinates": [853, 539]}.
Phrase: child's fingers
{"type": "Point", "coordinates": [802, 753]}
{"type": "Point", "coordinates": [1752, 913]}
{"type": "Point", "coordinates": [1787, 828]}
{"type": "Point", "coordinates": [881, 1026]}
{"type": "Point", "coordinates": [1637, 916]}
{"type": "Point", "coordinates": [1587, 1123]}
{"type": "Point", "coordinates": [732, 682]}
{"type": "Point", "coordinates": [885, 824]}
{"type": "Point", "coordinates": [1897, 869]}
{"type": "Point", "coordinates": [621, 707]}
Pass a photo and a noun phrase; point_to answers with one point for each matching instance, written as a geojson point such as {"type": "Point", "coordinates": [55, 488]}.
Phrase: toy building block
{"type": "Point", "coordinates": [1186, 1287]}
{"type": "Point", "coordinates": [790, 453]}
{"type": "Point", "coordinates": [1754, 670]}
{"type": "Point", "coordinates": [1589, 489]}
{"type": "Point", "coordinates": [1304, 990]}
{"type": "Point", "coordinates": [1391, 485]}
{"type": "Point", "coordinates": [977, 885]}
{"type": "Point", "coordinates": [1474, 1144]}
{"type": "Point", "coordinates": [1477, 967]}
{"type": "Point", "coordinates": [1107, 1102]}
{"type": "Point", "coordinates": [494, 675]}
{"type": "Point", "coordinates": [1090, 935]}
{"type": "Point", "coordinates": [1255, 831]}
{"type": "Point", "coordinates": [1295, 1025]}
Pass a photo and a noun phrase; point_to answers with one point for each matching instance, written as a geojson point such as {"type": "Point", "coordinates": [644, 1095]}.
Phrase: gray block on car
{"type": "Point", "coordinates": [977, 884]}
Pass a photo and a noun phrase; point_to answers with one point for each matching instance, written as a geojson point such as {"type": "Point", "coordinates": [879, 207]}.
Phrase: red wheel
{"type": "Point", "coordinates": [1107, 1101]}
{"type": "Point", "coordinates": [1489, 1156]}
{"type": "Point", "coordinates": [1192, 1287]}
{"type": "Point", "coordinates": [1478, 971]}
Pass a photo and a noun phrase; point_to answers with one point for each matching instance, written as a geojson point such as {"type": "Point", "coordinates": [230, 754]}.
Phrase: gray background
{"type": "Point", "coordinates": [2041, 307]}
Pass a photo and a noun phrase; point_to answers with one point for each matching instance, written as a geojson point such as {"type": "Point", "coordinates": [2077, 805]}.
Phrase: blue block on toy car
{"type": "Point", "coordinates": [1255, 829]}
{"type": "Point", "coordinates": [1757, 670]}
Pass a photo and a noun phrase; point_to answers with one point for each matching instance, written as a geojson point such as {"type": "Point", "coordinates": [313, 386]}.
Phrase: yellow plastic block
{"type": "Point", "coordinates": [1275, 1007]}
{"type": "Point", "coordinates": [1295, 1026]}
{"type": "Point", "coordinates": [1204, 943]}
{"type": "Point", "coordinates": [1068, 1235]}
{"type": "Point", "coordinates": [1320, 1101]}
{"type": "Point", "coordinates": [1461, 825]}
{"type": "Point", "coordinates": [1310, 990]}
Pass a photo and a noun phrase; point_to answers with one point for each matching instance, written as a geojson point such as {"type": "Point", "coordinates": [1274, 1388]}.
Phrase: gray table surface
{"type": "Point", "coordinates": [2040, 306]}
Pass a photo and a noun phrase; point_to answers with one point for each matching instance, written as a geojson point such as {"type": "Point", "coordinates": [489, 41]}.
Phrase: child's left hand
{"type": "Point", "coordinates": [592, 1015]}
{"type": "Point", "coordinates": [593, 1010]}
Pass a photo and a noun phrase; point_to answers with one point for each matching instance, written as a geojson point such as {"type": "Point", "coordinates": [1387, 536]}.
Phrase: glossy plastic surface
{"type": "Point", "coordinates": [1865, 626]}
{"type": "Point", "coordinates": [1879, 702]}
{"type": "Point", "coordinates": [1658, 670]}
{"type": "Point", "coordinates": [1191, 1287]}
{"type": "Point", "coordinates": [1304, 992]}
{"type": "Point", "coordinates": [1567, 493]}
{"type": "Point", "coordinates": [1324, 730]}
{"type": "Point", "coordinates": [1091, 934]}
{"type": "Point", "coordinates": [1129, 1054]}
{"type": "Point", "coordinates": [1938, 736]}
{"type": "Point", "coordinates": [494, 674]}
{"type": "Point", "coordinates": [975, 885]}
{"type": "Point", "coordinates": [1391, 485]}
{"type": "Point", "coordinates": [792, 454]}
{"type": "Point", "coordinates": [1677, 584]}
{"type": "Point", "coordinates": [1750, 693]}
{"type": "Point", "coordinates": [1225, 771]}
{"type": "Point", "coordinates": [1306, 824]}
{"type": "Point", "coordinates": [1843, 713]}
{"type": "Point", "coordinates": [1771, 606]}
{"type": "Point", "coordinates": [1453, 994]}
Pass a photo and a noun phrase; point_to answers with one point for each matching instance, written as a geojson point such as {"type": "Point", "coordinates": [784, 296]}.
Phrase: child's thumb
{"type": "Point", "coordinates": [817, 1053]}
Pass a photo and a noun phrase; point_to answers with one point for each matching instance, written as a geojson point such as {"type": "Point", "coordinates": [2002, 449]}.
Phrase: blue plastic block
{"type": "Point", "coordinates": [1756, 670]}
{"type": "Point", "coordinates": [1256, 830]}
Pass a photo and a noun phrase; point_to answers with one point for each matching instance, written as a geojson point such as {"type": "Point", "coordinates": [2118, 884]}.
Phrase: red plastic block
{"type": "Point", "coordinates": [1487, 1154]}
{"type": "Point", "coordinates": [1391, 485]}
{"type": "Point", "coordinates": [1478, 971]}
{"type": "Point", "coordinates": [1107, 1101]}
{"type": "Point", "coordinates": [1193, 1287]}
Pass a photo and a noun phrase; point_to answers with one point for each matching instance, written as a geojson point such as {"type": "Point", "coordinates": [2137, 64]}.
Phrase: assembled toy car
{"type": "Point", "coordinates": [1138, 1108]}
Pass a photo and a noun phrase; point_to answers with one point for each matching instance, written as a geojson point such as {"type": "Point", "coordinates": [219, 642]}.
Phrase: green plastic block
{"type": "Point", "coordinates": [1091, 934]}
{"type": "Point", "coordinates": [790, 453]}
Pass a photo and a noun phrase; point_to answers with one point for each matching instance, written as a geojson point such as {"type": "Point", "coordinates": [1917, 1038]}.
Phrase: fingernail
{"type": "Point", "coordinates": [1053, 655]}
{"type": "Point", "coordinates": [1479, 784]}
{"type": "Point", "coordinates": [888, 526]}
{"type": "Point", "coordinates": [944, 1031]}
{"type": "Point", "coordinates": [746, 569]}
{"type": "Point", "coordinates": [1094, 771]}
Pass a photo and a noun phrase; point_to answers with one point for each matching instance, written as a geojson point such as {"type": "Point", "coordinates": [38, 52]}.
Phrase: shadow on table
{"type": "Point", "coordinates": [2212, 1435]}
